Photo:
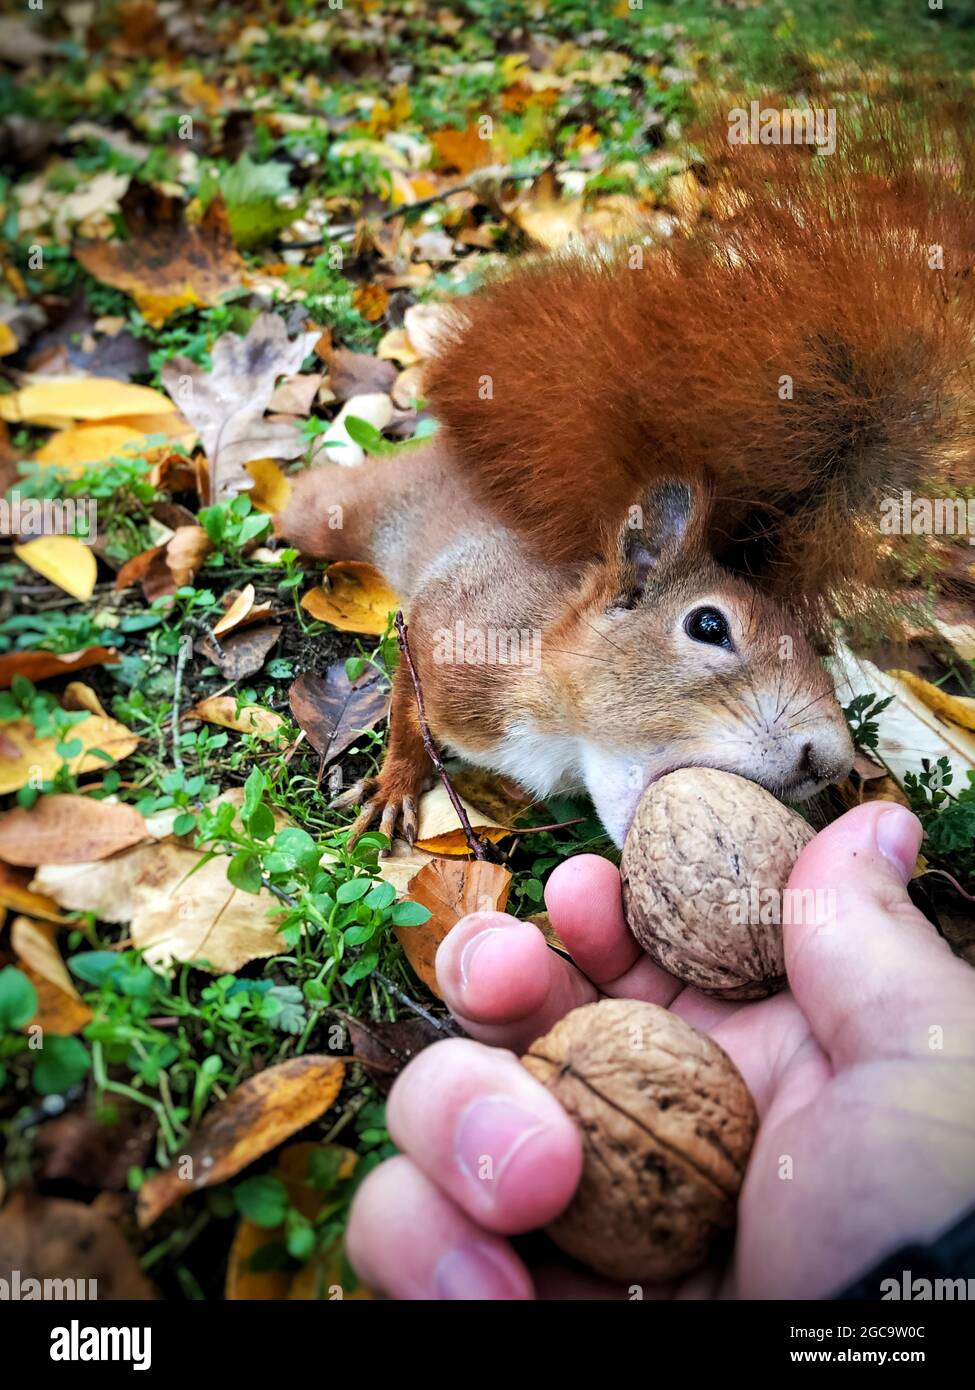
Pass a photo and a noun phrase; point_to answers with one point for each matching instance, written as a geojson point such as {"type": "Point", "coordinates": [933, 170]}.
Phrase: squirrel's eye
{"type": "Point", "coordinates": [708, 625]}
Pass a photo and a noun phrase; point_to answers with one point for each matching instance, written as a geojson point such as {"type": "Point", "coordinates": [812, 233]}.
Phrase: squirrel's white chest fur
{"type": "Point", "coordinates": [542, 763]}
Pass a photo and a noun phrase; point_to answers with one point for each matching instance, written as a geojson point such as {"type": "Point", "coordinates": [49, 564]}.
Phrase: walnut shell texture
{"type": "Point", "coordinates": [667, 1125]}
{"type": "Point", "coordinates": [704, 867]}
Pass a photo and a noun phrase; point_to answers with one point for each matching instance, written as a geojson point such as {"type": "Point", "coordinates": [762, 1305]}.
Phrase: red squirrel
{"type": "Point", "coordinates": [659, 472]}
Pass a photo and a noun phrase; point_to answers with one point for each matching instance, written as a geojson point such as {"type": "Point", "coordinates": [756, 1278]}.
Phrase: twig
{"type": "Point", "coordinates": [441, 1025]}
{"type": "Point", "coordinates": [185, 651]}
{"type": "Point", "coordinates": [943, 873]}
{"type": "Point", "coordinates": [476, 848]}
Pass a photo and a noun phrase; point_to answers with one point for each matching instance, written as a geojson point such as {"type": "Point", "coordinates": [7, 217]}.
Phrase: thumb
{"type": "Point", "coordinates": [866, 967]}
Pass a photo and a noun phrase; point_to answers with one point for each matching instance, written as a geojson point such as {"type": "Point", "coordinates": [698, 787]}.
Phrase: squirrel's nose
{"type": "Point", "coordinates": [827, 757]}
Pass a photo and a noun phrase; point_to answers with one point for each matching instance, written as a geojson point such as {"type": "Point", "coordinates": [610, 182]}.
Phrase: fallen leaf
{"type": "Point", "coordinates": [171, 266]}
{"type": "Point", "coordinates": [186, 553]}
{"type": "Point", "coordinates": [243, 653]}
{"type": "Point", "coordinates": [87, 1149]}
{"type": "Point", "coordinates": [356, 599]}
{"type": "Point", "coordinates": [64, 560]}
{"type": "Point", "coordinates": [357, 373]}
{"type": "Point", "coordinates": [960, 709]}
{"type": "Point", "coordinates": [26, 759]}
{"type": "Point", "coordinates": [175, 911]}
{"type": "Point", "coordinates": [60, 1009]}
{"type": "Point", "coordinates": [909, 730]}
{"type": "Point", "coordinates": [402, 864]}
{"type": "Point", "coordinates": [333, 711]}
{"type": "Point", "coordinates": [66, 829]}
{"type": "Point", "coordinates": [38, 665]}
{"type": "Point", "coordinates": [226, 404]}
{"type": "Point", "coordinates": [251, 719]}
{"type": "Point", "coordinates": [449, 889]}
{"type": "Point", "coordinates": [16, 895]}
{"type": "Point", "coordinates": [259, 1115]}
{"type": "Point", "coordinates": [463, 150]}
{"type": "Point", "coordinates": [82, 446]}
{"type": "Point", "coordinates": [545, 216]}
{"type": "Point", "coordinates": [61, 401]}
{"type": "Point", "coordinates": [48, 1238]}
{"type": "Point", "coordinates": [296, 394]}
{"type": "Point", "coordinates": [384, 1049]}
{"type": "Point", "coordinates": [138, 567]}
{"type": "Point", "coordinates": [237, 611]}
{"type": "Point", "coordinates": [271, 488]}
{"type": "Point", "coordinates": [439, 829]}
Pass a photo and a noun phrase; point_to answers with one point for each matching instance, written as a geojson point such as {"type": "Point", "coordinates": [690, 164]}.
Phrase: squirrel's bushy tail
{"type": "Point", "coordinates": [809, 347]}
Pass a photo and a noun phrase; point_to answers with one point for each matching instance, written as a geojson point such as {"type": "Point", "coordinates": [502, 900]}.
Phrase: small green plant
{"type": "Point", "coordinates": [861, 715]}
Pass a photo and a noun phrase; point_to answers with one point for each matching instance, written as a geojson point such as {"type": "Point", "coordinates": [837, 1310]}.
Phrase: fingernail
{"type": "Point", "coordinates": [898, 839]}
{"type": "Point", "coordinates": [491, 1131]}
{"type": "Point", "coordinates": [472, 948]}
{"type": "Point", "coordinates": [473, 1271]}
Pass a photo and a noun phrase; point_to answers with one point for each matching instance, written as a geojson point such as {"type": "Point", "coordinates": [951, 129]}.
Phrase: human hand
{"type": "Point", "coordinates": [863, 1075]}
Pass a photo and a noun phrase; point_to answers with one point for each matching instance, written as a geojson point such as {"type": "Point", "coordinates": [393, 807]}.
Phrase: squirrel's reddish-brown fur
{"type": "Point", "coordinates": [569, 387]}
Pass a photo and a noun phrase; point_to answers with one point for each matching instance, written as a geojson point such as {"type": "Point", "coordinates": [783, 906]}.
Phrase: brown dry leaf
{"type": "Point", "coordinates": [357, 599]}
{"type": "Point", "coordinates": [65, 561]}
{"type": "Point", "coordinates": [333, 711]}
{"type": "Point", "coordinates": [67, 829]}
{"type": "Point", "coordinates": [384, 1049]}
{"type": "Point", "coordinates": [243, 653]}
{"type": "Point", "coordinates": [172, 266]}
{"type": "Point", "coordinates": [960, 709]}
{"type": "Point", "coordinates": [227, 403]}
{"type": "Point", "coordinates": [186, 553]}
{"type": "Point", "coordinates": [271, 488]}
{"type": "Point", "coordinates": [60, 1008]}
{"type": "Point", "coordinates": [544, 924]}
{"type": "Point", "coordinates": [137, 568]}
{"type": "Point", "coordinates": [251, 719]}
{"type": "Point", "coordinates": [37, 666]}
{"type": "Point", "coordinates": [175, 910]}
{"type": "Point", "coordinates": [16, 895]}
{"type": "Point", "coordinates": [237, 611]}
{"type": "Point", "coordinates": [61, 401]}
{"type": "Point", "coordinates": [296, 394]}
{"type": "Point", "coordinates": [495, 796]}
{"type": "Point", "coordinates": [450, 889]}
{"type": "Point", "coordinates": [439, 829]}
{"type": "Point", "coordinates": [259, 1115]}
{"type": "Point", "coordinates": [80, 1147]}
{"type": "Point", "coordinates": [25, 758]}
{"type": "Point", "coordinates": [50, 1238]}
{"type": "Point", "coordinates": [357, 373]}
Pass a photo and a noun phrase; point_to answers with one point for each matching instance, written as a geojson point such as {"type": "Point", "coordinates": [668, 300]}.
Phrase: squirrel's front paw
{"type": "Point", "coordinates": [387, 797]}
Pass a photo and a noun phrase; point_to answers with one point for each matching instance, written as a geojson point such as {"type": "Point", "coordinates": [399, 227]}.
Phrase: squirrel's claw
{"type": "Point", "coordinates": [376, 803]}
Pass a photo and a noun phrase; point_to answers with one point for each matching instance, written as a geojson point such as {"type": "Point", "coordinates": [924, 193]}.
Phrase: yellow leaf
{"type": "Point", "coordinates": [79, 446]}
{"type": "Point", "coordinates": [15, 895]}
{"type": "Point", "coordinates": [25, 758]}
{"type": "Point", "coordinates": [439, 830]}
{"type": "Point", "coordinates": [960, 709]}
{"type": "Point", "coordinates": [64, 399]}
{"type": "Point", "coordinates": [59, 1006]}
{"type": "Point", "coordinates": [252, 719]}
{"type": "Point", "coordinates": [64, 560]}
{"type": "Point", "coordinates": [271, 488]}
{"type": "Point", "coordinates": [237, 611]}
{"type": "Point", "coordinates": [357, 599]}
{"type": "Point", "coordinates": [263, 1111]}
{"type": "Point", "coordinates": [8, 340]}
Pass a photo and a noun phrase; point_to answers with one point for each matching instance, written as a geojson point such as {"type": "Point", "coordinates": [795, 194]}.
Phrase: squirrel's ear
{"type": "Point", "coordinates": [669, 521]}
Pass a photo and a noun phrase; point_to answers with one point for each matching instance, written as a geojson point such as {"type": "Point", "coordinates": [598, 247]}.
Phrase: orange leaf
{"type": "Point", "coordinates": [449, 888]}
{"type": "Point", "coordinates": [37, 666]}
{"type": "Point", "coordinates": [357, 599]}
{"type": "Point", "coordinates": [60, 1009]}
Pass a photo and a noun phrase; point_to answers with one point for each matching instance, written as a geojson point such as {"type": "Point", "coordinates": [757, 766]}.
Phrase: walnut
{"type": "Point", "coordinates": [667, 1126]}
{"type": "Point", "coordinates": [705, 865]}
